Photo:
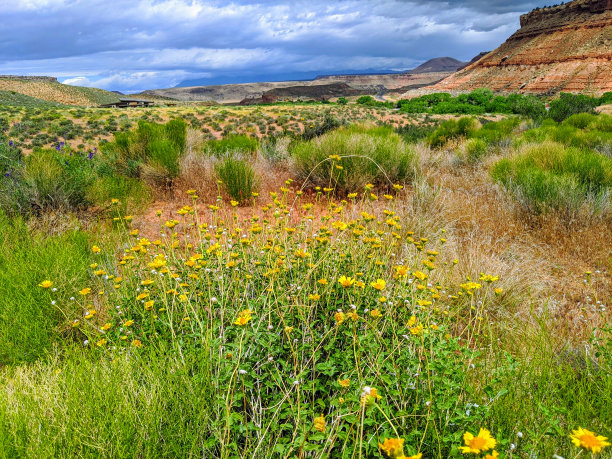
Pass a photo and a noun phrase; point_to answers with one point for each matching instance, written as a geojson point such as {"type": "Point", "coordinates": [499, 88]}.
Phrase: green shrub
{"type": "Point", "coordinates": [473, 151]}
{"type": "Point", "coordinates": [47, 179]}
{"type": "Point", "coordinates": [150, 146]}
{"type": "Point", "coordinates": [370, 155]}
{"type": "Point", "coordinates": [238, 178]}
{"type": "Point", "coordinates": [233, 143]}
{"type": "Point", "coordinates": [329, 123]}
{"type": "Point", "coordinates": [496, 133]}
{"type": "Point", "coordinates": [551, 177]}
{"type": "Point", "coordinates": [477, 102]}
{"type": "Point", "coordinates": [451, 129]}
{"type": "Point", "coordinates": [414, 132]}
{"type": "Point", "coordinates": [570, 104]}
{"type": "Point", "coordinates": [342, 101]}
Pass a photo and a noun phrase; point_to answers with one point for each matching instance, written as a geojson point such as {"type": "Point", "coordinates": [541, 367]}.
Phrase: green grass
{"type": "Point", "coordinates": [237, 177]}
{"type": "Point", "coordinates": [29, 323]}
{"type": "Point", "coordinates": [369, 155]}
{"type": "Point", "coordinates": [232, 144]}
{"type": "Point", "coordinates": [203, 385]}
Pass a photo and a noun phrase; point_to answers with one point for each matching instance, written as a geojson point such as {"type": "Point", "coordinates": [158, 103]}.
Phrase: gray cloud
{"type": "Point", "coordinates": [132, 45]}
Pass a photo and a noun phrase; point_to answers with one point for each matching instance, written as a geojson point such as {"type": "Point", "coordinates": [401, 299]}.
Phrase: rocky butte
{"type": "Point", "coordinates": [562, 48]}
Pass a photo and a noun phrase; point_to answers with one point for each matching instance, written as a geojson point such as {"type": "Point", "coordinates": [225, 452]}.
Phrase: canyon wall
{"type": "Point", "coordinates": [565, 48]}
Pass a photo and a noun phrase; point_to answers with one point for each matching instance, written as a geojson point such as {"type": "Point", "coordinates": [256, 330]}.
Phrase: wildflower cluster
{"type": "Point", "coordinates": [306, 310]}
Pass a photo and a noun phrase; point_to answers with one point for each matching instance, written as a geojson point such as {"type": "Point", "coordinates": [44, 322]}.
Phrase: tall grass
{"type": "Point", "coordinates": [30, 323]}
{"type": "Point", "coordinates": [369, 155]}
{"type": "Point", "coordinates": [451, 129]}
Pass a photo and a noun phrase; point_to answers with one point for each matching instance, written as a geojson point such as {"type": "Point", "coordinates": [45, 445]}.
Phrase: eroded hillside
{"type": "Point", "coordinates": [563, 48]}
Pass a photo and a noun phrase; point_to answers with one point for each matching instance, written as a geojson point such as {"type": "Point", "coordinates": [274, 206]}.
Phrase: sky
{"type": "Point", "coordinates": [133, 45]}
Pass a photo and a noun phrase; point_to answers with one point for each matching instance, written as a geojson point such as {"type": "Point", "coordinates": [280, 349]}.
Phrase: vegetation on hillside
{"type": "Point", "coordinates": [342, 281]}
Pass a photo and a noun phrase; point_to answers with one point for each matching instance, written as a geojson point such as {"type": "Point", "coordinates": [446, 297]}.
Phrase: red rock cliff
{"type": "Point", "coordinates": [563, 48]}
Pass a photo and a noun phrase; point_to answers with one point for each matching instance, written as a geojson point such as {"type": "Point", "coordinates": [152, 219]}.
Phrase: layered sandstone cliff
{"type": "Point", "coordinates": [563, 48]}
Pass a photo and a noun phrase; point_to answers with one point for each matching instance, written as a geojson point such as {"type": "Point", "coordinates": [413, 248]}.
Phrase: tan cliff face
{"type": "Point", "coordinates": [563, 48]}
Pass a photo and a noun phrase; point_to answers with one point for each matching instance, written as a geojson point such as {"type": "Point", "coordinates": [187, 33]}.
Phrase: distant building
{"type": "Point", "coordinates": [126, 103]}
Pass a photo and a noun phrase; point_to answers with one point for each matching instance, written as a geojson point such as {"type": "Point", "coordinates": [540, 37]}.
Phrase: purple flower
{"type": "Point", "coordinates": [90, 155]}
{"type": "Point", "coordinates": [10, 143]}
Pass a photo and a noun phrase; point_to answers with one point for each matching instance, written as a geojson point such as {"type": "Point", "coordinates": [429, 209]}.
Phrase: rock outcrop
{"type": "Point", "coordinates": [562, 48]}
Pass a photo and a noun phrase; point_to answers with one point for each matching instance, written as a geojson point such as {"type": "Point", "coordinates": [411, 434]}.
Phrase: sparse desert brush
{"type": "Point", "coordinates": [347, 159]}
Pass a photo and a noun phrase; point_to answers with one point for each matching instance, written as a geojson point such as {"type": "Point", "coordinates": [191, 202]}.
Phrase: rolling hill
{"type": "Point", "coordinates": [50, 90]}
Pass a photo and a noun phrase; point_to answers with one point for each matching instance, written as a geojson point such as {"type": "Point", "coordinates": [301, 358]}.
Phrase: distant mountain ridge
{"type": "Point", "coordinates": [321, 87]}
{"type": "Point", "coordinates": [435, 65]}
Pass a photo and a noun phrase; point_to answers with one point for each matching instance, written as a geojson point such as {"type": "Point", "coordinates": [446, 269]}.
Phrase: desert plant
{"type": "Point", "coordinates": [551, 177]}
{"type": "Point", "coordinates": [237, 177]}
{"type": "Point", "coordinates": [232, 143]}
{"type": "Point", "coordinates": [451, 129]}
{"type": "Point", "coordinates": [368, 155]}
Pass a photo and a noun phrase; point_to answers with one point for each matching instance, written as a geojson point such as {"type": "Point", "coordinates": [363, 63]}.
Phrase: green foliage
{"type": "Point", "coordinates": [151, 149]}
{"type": "Point", "coordinates": [328, 123]}
{"type": "Point", "coordinates": [570, 104]}
{"type": "Point", "coordinates": [29, 323]}
{"type": "Point", "coordinates": [342, 101]}
{"type": "Point", "coordinates": [233, 143]}
{"type": "Point", "coordinates": [417, 131]}
{"type": "Point", "coordinates": [551, 177]}
{"type": "Point", "coordinates": [47, 179]}
{"type": "Point", "coordinates": [369, 101]}
{"type": "Point", "coordinates": [370, 155]}
{"type": "Point", "coordinates": [473, 150]}
{"type": "Point", "coordinates": [451, 129]}
{"type": "Point", "coordinates": [581, 131]}
{"type": "Point", "coordinates": [477, 102]}
{"type": "Point", "coordinates": [237, 176]}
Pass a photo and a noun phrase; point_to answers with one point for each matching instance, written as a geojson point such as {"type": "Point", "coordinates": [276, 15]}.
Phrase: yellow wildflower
{"type": "Point", "coordinates": [393, 447]}
{"type": "Point", "coordinates": [319, 424]}
{"type": "Point", "coordinates": [588, 440]}
{"type": "Point", "coordinates": [45, 284]}
{"type": "Point", "coordinates": [479, 443]}
{"type": "Point", "coordinates": [379, 284]}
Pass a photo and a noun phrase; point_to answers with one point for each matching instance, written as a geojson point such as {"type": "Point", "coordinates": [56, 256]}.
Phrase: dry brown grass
{"type": "Point", "coordinates": [541, 261]}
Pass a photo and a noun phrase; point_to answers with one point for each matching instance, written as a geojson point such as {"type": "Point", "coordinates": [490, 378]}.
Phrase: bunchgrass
{"type": "Point", "coordinates": [347, 159]}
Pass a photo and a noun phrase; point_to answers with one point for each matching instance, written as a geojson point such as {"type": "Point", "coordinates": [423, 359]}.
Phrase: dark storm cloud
{"type": "Point", "coordinates": [140, 44]}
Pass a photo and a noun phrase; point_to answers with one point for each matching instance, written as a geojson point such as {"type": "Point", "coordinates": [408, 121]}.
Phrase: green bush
{"type": "Point", "coordinates": [570, 104]}
{"type": "Point", "coordinates": [473, 151]}
{"type": "Point", "coordinates": [47, 179]}
{"type": "Point", "coordinates": [477, 102]}
{"type": "Point", "coordinates": [329, 123]}
{"type": "Point", "coordinates": [451, 129]}
{"type": "Point", "coordinates": [370, 155]}
{"type": "Point", "coordinates": [551, 177]}
{"type": "Point", "coordinates": [234, 144]}
{"type": "Point", "coordinates": [238, 178]}
{"type": "Point", "coordinates": [150, 146]}
{"type": "Point", "coordinates": [342, 101]}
